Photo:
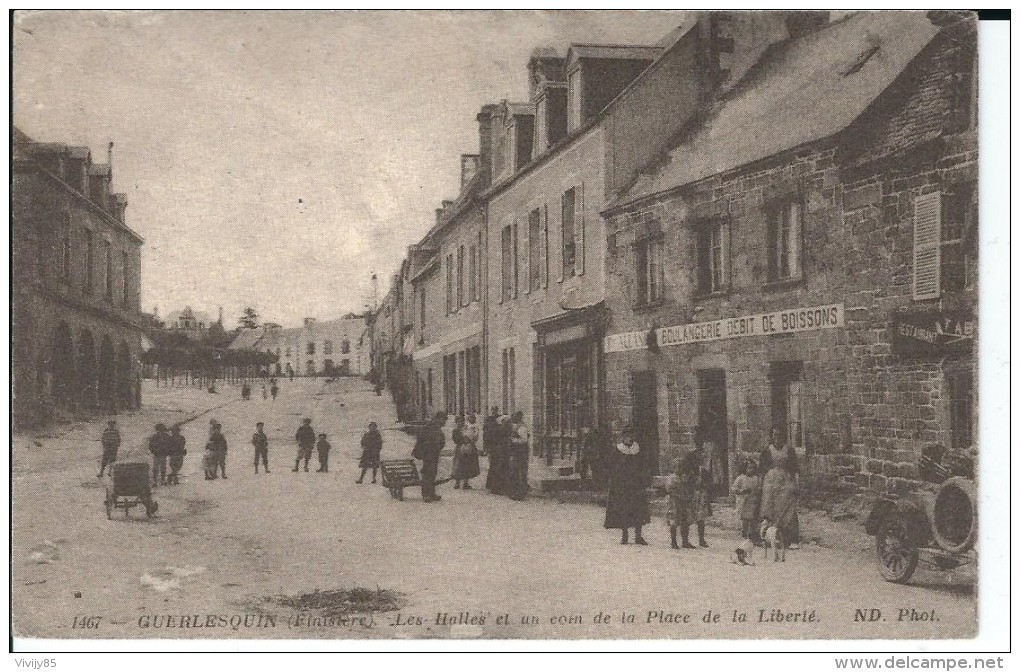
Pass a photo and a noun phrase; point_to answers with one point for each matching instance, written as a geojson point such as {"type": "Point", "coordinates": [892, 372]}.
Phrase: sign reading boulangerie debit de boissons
{"type": "Point", "coordinates": [787, 321]}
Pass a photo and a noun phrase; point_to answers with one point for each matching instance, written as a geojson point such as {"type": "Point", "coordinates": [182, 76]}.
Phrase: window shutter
{"type": "Point", "coordinates": [515, 276]}
{"type": "Point", "coordinates": [579, 217]}
{"type": "Point", "coordinates": [545, 245]}
{"type": "Point", "coordinates": [927, 245]}
{"type": "Point", "coordinates": [560, 245]}
{"type": "Point", "coordinates": [526, 255]}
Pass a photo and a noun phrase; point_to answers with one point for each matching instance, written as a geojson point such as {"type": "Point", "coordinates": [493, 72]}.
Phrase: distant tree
{"type": "Point", "coordinates": [250, 319]}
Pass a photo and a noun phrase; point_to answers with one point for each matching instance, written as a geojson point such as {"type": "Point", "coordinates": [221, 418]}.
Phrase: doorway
{"type": "Point", "coordinates": [646, 417]}
{"type": "Point", "coordinates": [712, 420]}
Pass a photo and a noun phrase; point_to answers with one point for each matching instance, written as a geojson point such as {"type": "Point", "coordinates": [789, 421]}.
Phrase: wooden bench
{"type": "Point", "coordinates": [399, 474]}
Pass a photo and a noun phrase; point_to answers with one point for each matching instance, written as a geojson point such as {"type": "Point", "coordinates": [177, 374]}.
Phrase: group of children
{"type": "Point", "coordinates": [307, 440]}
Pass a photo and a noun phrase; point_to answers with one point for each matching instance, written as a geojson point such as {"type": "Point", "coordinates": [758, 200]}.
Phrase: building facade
{"type": "Point", "coordinates": [317, 348]}
{"type": "Point", "coordinates": [819, 280]}
{"type": "Point", "coordinates": [77, 268]}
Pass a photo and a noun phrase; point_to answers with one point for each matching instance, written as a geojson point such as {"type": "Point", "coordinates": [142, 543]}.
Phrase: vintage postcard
{"type": "Point", "coordinates": [519, 325]}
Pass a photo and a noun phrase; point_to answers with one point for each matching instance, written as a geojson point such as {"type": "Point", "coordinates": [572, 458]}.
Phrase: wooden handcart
{"type": "Point", "coordinates": [130, 488]}
{"type": "Point", "coordinates": [399, 474]}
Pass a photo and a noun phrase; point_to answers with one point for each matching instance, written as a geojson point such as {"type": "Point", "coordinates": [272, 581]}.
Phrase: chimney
{"type": "Point", "coordinates": [309, 321]}
{"type": "Point", "coordinates": [119, 205]}
{"type": "Point", "coordinates": [484, 119]}
{"type": "Point", "coordinates": [468, 168]}
{"type": "Point", "coordinates": [439, 215]}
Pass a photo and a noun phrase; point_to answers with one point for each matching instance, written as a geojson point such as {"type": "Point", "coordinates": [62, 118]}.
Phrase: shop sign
{"type": "Point", "coordinates": [630, 340]}
{"type": "Point", "coordinates": [919, 334]}
{"type": "Point", "coordinates": [566, 334]}
{"type": "Point", "coordinates": [787, 321]}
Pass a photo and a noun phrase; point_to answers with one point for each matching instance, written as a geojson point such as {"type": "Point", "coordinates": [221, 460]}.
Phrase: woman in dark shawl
{"type": "Point", "coordinates": [627, 505]}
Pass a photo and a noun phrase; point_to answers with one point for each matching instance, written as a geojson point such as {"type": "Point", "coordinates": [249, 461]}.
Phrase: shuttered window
{"type": "Point", "coordinates": [568, 234]}
{"type": "Point", "coordinates": [535, 250]}
{"type": "Point", "coordinates": [579, 231]}
{"type": "Point", "coordinates": [927, 245]}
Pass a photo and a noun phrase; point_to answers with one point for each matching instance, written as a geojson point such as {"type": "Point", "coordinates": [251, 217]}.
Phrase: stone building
{"type": "Point", "coordinates": [597, 115]}
{"type": "Point", "coordinates": [77, 323]}
{"type": "Point", "coordinates": [339, 347]}
{"type": "Point", "coordinates": [804, 257]}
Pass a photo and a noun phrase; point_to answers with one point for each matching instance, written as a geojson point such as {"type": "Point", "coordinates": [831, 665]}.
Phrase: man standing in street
{"type": "Point", "coordinates": [176, 452]}
{"type": "Point", "coordinates": [323, 448]}
{"type": "Point", "coordinates": [111, 442]}
{"type": "Point", "coordinates": [219, 444]}
{"type": "Point", "coordinates": [159, 446]}
{"type": "Point", "coordinates": [261, 444]}
{"type": "Point", "coordinates": [305, 438]}
{"type": "Point", "coordinates": [427, 448]}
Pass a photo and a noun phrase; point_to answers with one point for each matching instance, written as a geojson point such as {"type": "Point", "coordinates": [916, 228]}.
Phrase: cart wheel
{"type": "Point", "coordinates": [109, 505]}
{"type": "Point", "coordinates": [897, 552]}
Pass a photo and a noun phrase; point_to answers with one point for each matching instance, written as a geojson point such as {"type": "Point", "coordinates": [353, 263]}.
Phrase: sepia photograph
{"type": "Point", "coordinates": [494, 325]}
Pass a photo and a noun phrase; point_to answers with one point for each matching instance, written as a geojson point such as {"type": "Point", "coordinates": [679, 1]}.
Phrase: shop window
{"type": "Point", "coordinates": [785, 230]}
{"type": "Point", "coordinates": [961, 408]}
{"type": "Point", "coordinates": [648, 255]}
{"type": "Point", "coordinates": [713, 264]}
{"type": "Point", "coordinates": [786, 381]}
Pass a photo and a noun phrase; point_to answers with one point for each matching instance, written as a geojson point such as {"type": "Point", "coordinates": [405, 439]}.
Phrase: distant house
{"type": "Point", "coordinates": [328, 348]}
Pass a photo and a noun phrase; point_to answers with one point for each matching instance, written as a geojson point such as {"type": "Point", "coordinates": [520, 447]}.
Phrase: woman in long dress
{"type": "Point", "coordinates": [779, 486]}
{"type": "Point", "coordinates": [465, 454]}
{"type": "Point", "coordinates": [627, 504]}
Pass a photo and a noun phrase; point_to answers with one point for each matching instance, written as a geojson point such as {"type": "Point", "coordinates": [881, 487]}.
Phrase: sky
{"type": "Point", "coordinates": [279, 159]}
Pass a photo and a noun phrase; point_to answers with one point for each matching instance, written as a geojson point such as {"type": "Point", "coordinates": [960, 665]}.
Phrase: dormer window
{"type": "Point", "coordinates": [574, 100]}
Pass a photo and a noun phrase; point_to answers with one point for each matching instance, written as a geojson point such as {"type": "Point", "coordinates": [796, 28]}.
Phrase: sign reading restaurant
{"type": "Point", "coordinates": [788, 321]}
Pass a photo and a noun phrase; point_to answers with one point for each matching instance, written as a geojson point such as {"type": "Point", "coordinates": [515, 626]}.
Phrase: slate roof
{"type": "Point", "coordinates": [800, 91]}
{"type": "Point", "coordinates": [248, 338]}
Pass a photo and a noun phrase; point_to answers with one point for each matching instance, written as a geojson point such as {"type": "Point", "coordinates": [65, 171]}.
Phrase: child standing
{"type": "Point", "coordinates": [261, 443]}
{"type": "Point", "coordinates": [371, 448]}
{"type": "Point", "coordinates": [747, 493]}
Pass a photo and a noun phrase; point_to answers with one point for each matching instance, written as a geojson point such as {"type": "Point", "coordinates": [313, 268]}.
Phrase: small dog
{"type": "Point", "coordinates": [772, 535]}
{"type": "Point", "coordinates": [744, 553]}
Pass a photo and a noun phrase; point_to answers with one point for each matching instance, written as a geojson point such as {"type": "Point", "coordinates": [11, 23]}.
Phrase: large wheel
{"type": "Point", "coordinates": [954, 515]}
{"type": "Point", "coordinates": [897, 551]}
